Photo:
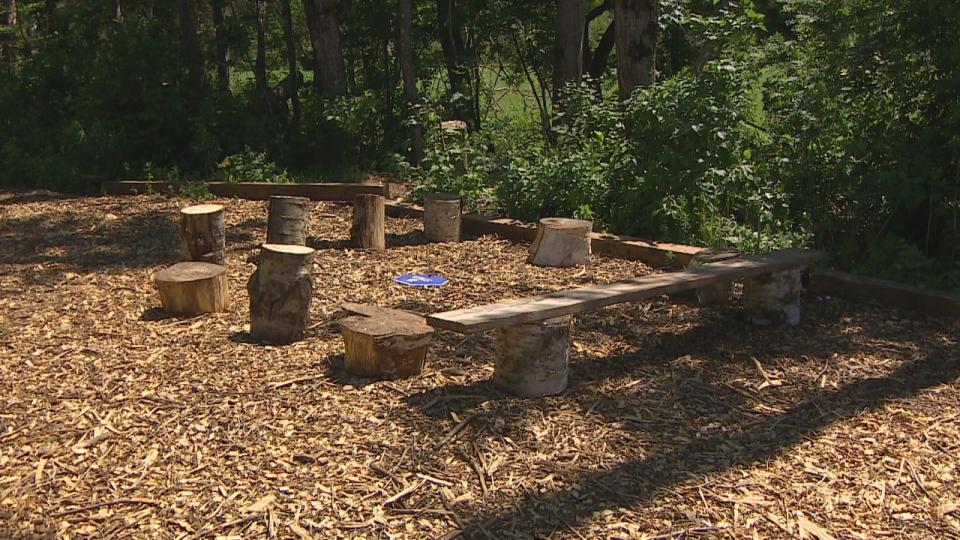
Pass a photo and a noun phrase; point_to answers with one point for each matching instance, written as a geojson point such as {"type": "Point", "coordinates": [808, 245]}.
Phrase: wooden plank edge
{"type": "Point", "coordinates": [884, 292]}
{"type": "Point", "coordinates": [317, 191]}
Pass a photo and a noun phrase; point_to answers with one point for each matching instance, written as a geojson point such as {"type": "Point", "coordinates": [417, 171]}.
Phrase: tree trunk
{"type": "Point", "coordinates": [368, 223]}
{"type": "Point", "coordinates": [450, 26]}
{"type": "Point", "coordinates": [223, 47]}
{"type": "Point", "coordinates": [290, 41]}
{"type": "Point", "coordinates": [636, 28]}
{"type": "Point", "coordinates": [561, 242]}
{"type": "Point", "coordinates": [568, 43]}
{"type": "Point", "coordinates": [409, 72]}
{"type": "Point", "coordinates": [532, 359]}
{"type": "Point", "coordinates": [287, 220]}
{"type": "Point", "coordinates": [260, 65]}
{"type": "Point", "coordinates": [280, 291]}
{"type": "Point", "coordinates": [190, 288]}
{"type": "Point", "coordinates": [190, 50]}
{"type": "Point", "coordinates": [8, 40]}
{"type": "Point", "coordinates": [598, 62]}
{"type": "Point", "coordinates": [202, 233]}
{"type": "Point", "coordinates": [117, 9]}
{"type": "Point", "coordinates": [441, 217]}
{"type": "Point", "coordinates": [329, 76]}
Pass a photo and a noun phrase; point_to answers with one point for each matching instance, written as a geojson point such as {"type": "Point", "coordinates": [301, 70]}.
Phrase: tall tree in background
{"type": "Point", "coordinates": [190, 48]}
{"type": "Point", "coordinates": [450, 26]}
{"type": "Point", "coordinates": [329, 74]}
{"type": "Point", "coordinates": [8, 25]}
{"type": "Point", "coordinates": [260, 64]}
{"type": "Point", "coordinates": [636, 31]}
{"type": "Point", "coordinates": [117, 9]}
{"type": "Point", "coordinates": [568, 43]}
{"type": "Point", "coordinates": [595, 62]}
{"type": "Point", "coordinates": [223, 47]}
{"type": "Point", "coordinates": [409, 71]}
{"type": "Point", "coordinates": [290, 41]}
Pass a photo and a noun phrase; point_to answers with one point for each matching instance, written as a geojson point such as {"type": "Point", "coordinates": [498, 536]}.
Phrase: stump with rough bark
{"type": "Point", "coordinates": [383, 342]}
{"type": "Point", "coordinates": [287, 220]}
{"type": "Point", "coordinates": [367, 231]}
{"type": "Point", "coordinates": [532, 359]}
{"type": "Point", "coordinates": [190, 288]}
{"type": "Point", "coordinates": [280, 292]}
{"type": "Point", "coordinates": [202, 233]}
{"type": "Point", "coordinates": [441, 217]}
{"type": "Point", "coordinates": [720, 292]}
{"type": "Point", "coordinates": [561, 242]}
{"type": "Point", "coordinates": [774, 298]}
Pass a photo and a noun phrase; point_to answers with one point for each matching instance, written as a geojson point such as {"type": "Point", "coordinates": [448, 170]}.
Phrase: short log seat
{"type": "Point", "coordinates": [531, 362]}
{"type": "Point", "coordinates": [384, 342]}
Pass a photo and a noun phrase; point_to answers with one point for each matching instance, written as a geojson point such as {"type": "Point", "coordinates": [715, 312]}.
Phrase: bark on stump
{"type": "Point", "coordinates": [774, 298]}
{"type": "Point", "coordinates": [720, 292]}
{"type": "Point", "coordinates": [280, 292]}
{"type": "Point", "coordinates": [532, 358]}
{"type": "Point", "coordinates": [367, 231]}
{"type": "Point", "coordinates": [441, 217]}
{"type": "Point", "coordinates": [384, 342]}
{"type": "Point", "coordinates": [287, 220]}
{"type": "Point", "coordinates": [190, 288]}
{"type": "Point", "coordinates": [561, 242]}
{"type": "Point", "coordinates": [202, 233]}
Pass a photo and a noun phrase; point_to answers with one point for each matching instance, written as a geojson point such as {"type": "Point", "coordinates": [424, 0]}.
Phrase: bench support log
{"type": "Point", "coordinates": [773, 298]}
{"type": "Point", "coordinates": [287, 220]}
{"type": "Point", "coordinates": [368, 223]}
{"type": "Point", "coordinates": [280, 291]}
{"type": "Point", "coordinates": [561, 242]}
{"type": "Point", "coordinates": [441, 217]}
{"type": "Point", "coordinates": [190, 288]}
{"type": "Point", "coordinates": [717, 293]}
{"type": "Point", "coordinates": [532, 359]}
{"type": "Point", "coordinates": [202, 233]}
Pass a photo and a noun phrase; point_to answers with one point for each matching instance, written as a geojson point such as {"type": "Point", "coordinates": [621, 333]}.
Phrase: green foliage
{"type": "Point", "coordinates": [251, 166]}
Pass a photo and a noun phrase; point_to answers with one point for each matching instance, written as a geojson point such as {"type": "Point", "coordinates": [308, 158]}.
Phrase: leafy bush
{"type": "Point", "coordinates": [251, 166]}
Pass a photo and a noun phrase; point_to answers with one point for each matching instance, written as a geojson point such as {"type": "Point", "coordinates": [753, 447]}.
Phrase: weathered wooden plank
{"type": "Point", "coordinates": [255, 190]}
{"type": "Point", "coordinates": [574, 301]}
{"type": "Point", "coordinates": [885, 292]}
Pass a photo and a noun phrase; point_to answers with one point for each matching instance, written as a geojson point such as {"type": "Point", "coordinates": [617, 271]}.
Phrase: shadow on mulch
{"type": "Point", "coordinates": [35, 196]}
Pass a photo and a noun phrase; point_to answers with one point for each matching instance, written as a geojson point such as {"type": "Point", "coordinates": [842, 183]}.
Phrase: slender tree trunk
{"type": "Point", "coordinates": [190, 49]}
{"type": "Point", "coordinates": [410, 78]}
{"type": "Point", "coordinates": [329, 75]}
{"type": "Point", "coordinates": [636, 44]}
{"type": "Point", "coordinates": [117, 9]}
{"type": "Point", "coordinates": [260, 65]}
{"type": "Point", "coordinates": [8, 40]}
{"type": "Point", "coordinates": [450, 27]}
{"type": "Point", "coordinates": [568, 43]}
{"type": "Point", "coordinates": [598, 62]}
{"type": "Point", "coordinates": [291, 44]}
{"type": "Point", "coordinates": [223, 47]}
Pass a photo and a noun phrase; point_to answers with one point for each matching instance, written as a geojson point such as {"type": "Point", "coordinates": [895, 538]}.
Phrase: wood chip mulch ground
{"type": "Point", "coordinates": [117, 421]}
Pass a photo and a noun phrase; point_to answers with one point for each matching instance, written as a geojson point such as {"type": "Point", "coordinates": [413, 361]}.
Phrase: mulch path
{"type": "Point", "coordinates": [117, 421]}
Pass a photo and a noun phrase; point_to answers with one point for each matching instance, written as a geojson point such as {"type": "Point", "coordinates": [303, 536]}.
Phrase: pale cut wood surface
{"type": "Point", "coordinates": [556, 304]}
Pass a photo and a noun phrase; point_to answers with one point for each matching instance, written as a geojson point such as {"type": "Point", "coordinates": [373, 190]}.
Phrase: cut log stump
{"type": "Point", "coordinates": [717, 293]}
{"type": "Point", "coordinates": [202, 233]}
{"type": "Point", "coordinates": [441, 217]}
{"type": "Point", "coordinates": [561, 242]}
{"type": "Point", "coordinates": [774, 298]}
{"type": "Point", "coordinates": [384, 342]}
{"type": "Point", "coordinates": [280, 291]}
{"type": "Point", "coordinates": [287, 220]}
{"type": "Point", "coordinates": [532, 359]}
{"type": "Point", "coordinates": [191, 288]}
{"type": "Point", "coordinates": [367, 231]}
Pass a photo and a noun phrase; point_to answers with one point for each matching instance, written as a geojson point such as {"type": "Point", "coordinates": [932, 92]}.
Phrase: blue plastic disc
{"type": "Point", "coordinates": [421, 280]}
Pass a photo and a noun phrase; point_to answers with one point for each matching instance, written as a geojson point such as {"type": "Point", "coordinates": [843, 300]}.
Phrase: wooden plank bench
{"type": "Point", "coordinates": [534, 334]}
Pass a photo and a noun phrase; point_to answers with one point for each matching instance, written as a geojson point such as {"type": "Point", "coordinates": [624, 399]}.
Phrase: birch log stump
{"type": "Point", "coordinates": [774, 298]}
{"type": "Point", "coordinates": [367, 231]}
{"type": "Point", "coordinates": [202, 233]}
{"type": "Point", "coordinates": [384, 342]}
{"type": "Point", "coordinates": [561, 242]}
{"type": "Point", "coordinates": [287, 220]}
{"type": "Point", "coordinates": [441, 217]}
{"type": "Point", "coordinates": [719, 293]}
{"type": "Point", "coordinates": [280, 291]}
{"type": "Point", "coordinates": [532, 359]}
{"type": "Point", "coordinates": [191, 288]}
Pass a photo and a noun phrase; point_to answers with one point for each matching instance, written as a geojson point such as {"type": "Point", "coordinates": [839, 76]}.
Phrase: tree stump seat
{"type": "Point", "coordinates": [534, 334]}
{"type": "Point", "coordinates": [384, 342]}
{"type": "Point", "coordinates": [561, 242]}
{"type": "Point", "coordinates": [202, 236]}
{"type": "Point", "coordinates": [191, 288]}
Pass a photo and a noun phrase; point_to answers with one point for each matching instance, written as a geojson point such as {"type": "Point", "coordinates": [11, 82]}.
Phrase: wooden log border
{"type": "Point", "coordinates": [655, 254]}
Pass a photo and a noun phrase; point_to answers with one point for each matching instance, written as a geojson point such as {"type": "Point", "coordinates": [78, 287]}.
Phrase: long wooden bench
{"type": "Point", "coordinates": [534, 334]}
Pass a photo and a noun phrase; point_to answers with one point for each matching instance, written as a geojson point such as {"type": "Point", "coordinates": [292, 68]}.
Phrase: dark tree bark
{"type": "Point", "coordinates": [117, 9]}
{"type": "Point", "coordinates": [223, 47]}
{"type": "Point", "coordinates": [410, 78]}
{"type": "Point", "coordinates": [598, 62]}
{"type": "Point", "coordinates": [260, 65]}
{"type": "Point", "coordinates": [568, 43]}
{"type": "Point", "coordinates": [636, 32]}
{"type": "Point", "coordinates": [8, 20]}
{"type": "Point", "coordinates": [290, 41]}
{"type": "Point", "coordinates": [329, 75]}
{"type": "Point", "coordinates": [190, 50]}
{"type": "Point", "coordinates": [450, 27]}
